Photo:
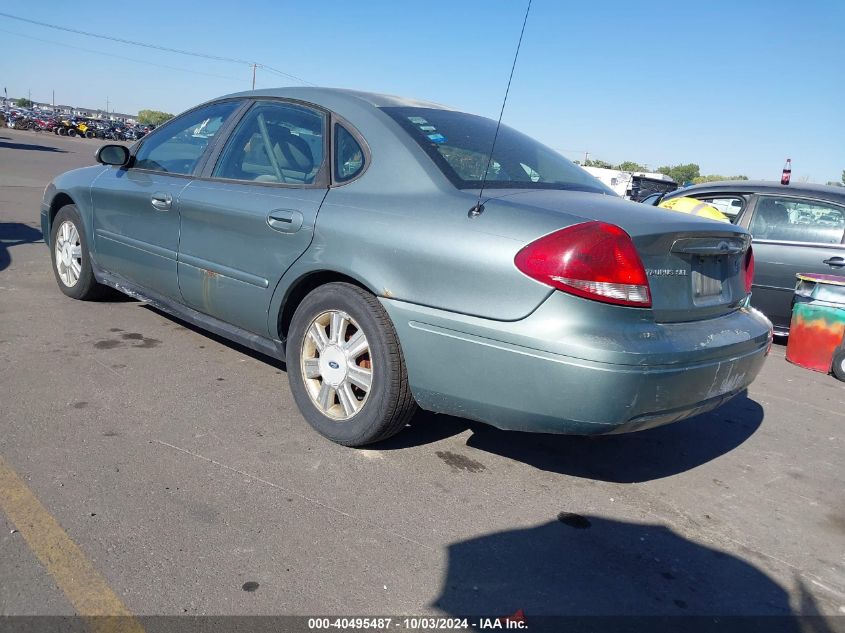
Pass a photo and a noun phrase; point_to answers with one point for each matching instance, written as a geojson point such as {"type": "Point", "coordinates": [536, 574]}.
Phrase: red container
{"type": "Point", "coordinates": [818, 321]}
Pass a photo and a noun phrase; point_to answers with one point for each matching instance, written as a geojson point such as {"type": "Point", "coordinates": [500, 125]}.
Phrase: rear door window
{"type": "Point", "coordinates": [788, 219]}
{"type": "Point", "coordinates": [275, 143]}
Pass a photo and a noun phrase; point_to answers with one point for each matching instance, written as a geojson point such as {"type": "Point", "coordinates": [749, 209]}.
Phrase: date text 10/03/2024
{"type": "Point", "coordinates": [514, 622]}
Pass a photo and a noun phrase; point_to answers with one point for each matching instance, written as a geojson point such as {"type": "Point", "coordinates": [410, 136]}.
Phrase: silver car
{"type": "Point", "coordinates": [346, 233]}
{"type": "Point", "coordinates": [797, 228]}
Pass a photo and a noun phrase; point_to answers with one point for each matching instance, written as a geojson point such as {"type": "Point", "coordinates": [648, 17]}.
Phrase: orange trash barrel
{"type": "Point", "coordinates": [818, 324]}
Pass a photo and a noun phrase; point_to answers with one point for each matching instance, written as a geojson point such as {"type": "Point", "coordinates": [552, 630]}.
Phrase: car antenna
{"type": "Point", "coordinates": [478, 209]}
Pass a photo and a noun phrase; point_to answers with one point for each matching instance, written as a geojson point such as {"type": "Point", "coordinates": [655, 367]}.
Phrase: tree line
{"type": "Point", "coordinates": [681, 174]}
{"type": "Point", "coordinates": [841, 183]}
{"type": "Point", "coordinates": [153, 117]}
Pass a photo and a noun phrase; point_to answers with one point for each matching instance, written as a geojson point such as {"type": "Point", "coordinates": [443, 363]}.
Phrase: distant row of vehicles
{"type": "Point", "coordinates": [21, 119]}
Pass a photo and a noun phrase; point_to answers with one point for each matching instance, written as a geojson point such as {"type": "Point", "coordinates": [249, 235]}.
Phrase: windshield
{"type": "Point", "coordinates": [459, 144]}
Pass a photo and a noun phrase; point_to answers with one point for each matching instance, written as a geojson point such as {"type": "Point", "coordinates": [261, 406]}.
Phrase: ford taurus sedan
{"type": "Point", "coordinates": [346, 234]}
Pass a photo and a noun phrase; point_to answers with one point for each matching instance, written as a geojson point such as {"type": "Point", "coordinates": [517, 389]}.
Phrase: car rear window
{"type": "Point", "coordinates": [459, 144]}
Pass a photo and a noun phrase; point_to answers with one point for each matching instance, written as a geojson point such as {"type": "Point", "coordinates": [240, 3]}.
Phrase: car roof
{"type": "Point", "coordinates": [323, 96]}
{"type": "Point", "coordinates": [829, 192]}
{"type": "Point", "coordinates": [384, 136]}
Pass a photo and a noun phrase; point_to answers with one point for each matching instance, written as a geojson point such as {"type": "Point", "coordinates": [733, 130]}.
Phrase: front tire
{"type": "Point", "coordinates": [345, 366]}
{"type": "Point", "coordinates": [70, 256]}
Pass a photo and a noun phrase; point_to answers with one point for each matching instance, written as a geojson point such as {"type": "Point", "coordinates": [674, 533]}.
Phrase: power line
{"type": "Point", "coordinates": [284, 74]}
{"type": "Point", "coordinates": [167, 49]}
{"type": "Point", "coordinates": [124, 41]}
{"type": "Point", "coordinates": [131, 59]}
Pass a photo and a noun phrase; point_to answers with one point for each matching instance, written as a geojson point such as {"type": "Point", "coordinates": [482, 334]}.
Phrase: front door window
{"type": "Point", "coordinates": [177, 147]}
{"type": "Point", "coordinates": [787, 219]}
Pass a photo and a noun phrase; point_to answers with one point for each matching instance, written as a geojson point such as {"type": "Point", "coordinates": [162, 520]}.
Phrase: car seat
{"type": "Point", "coordinates": [770, 218]}
{"type": "Point", "coordinates": [292, 154]}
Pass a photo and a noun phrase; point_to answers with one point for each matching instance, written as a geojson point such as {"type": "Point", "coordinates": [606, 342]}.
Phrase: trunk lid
{"type": "Point", "coordinates": [693, 275]}
{"type": "Point", "coordinates": [694, 265]}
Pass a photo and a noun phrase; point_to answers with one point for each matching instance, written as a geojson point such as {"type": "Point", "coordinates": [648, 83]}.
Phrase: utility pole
{"type": "Point", "coordinates": [254, 66]}
{"type": "Point", "coordinates": [107, 106]}
{"type": "Point", "coordinates": [586, 155]}
{"type": "Point", "coordinates": [54, 99]}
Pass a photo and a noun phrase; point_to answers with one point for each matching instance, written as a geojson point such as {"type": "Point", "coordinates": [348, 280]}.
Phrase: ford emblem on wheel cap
{"type": "Point", "coordinates": [333, 365]}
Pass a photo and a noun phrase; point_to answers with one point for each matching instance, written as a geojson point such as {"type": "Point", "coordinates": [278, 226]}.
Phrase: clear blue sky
{"type": "Point", "coordinates": [735, 86]}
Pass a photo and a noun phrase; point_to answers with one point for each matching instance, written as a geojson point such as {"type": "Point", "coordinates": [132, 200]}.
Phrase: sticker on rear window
{"type": "Point", "coordinates": [417, 119]}
{"type": "Point", "coordinates": [437, 138]}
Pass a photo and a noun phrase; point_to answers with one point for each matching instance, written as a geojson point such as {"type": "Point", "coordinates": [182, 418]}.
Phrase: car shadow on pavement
{"type": "Point", "coordinates": [627, 458]}
{"type": "Point", "coordinates": [243, 349]}
{"type": "Point", "coordinates": [28, 146]}
{"type": "Point", "coordinates": [592, 566]}
{"type": "Point", "coordinates": [111, 295]}
{"type": "Point", "coordinates": [14, 234]}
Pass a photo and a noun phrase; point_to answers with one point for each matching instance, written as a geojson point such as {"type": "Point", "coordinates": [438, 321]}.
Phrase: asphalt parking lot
{"type": "Point", "coordinates": [179, 465]}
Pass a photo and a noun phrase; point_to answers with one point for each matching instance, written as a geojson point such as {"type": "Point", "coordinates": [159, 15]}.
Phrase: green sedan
{"type": "Point", "coordinates": [395, 257]}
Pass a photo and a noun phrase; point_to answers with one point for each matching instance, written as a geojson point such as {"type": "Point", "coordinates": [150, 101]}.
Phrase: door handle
{"type": "Point", "coordinates": [838, 262]}
{"type": "Point", "coordinates": [285, 220]}
{"type": "Point", "coordinates": [161, 201]}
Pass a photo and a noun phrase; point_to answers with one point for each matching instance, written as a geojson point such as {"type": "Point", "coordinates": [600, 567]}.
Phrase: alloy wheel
{"type": "Point", "coordinates": [336, 365]}
{"type": "Point", "coordinates": [68, 252]}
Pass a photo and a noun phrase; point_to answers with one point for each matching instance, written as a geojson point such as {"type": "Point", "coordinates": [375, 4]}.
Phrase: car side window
{"type": "Point", "coordinates": [731, 206]}
{"type": "Point", "coordinates": [177, 147]}
{"type": "Point", "coordinates": [798, 220]}
{"type": "Point", "coordinates": [275, 143]}
{"type": "Point", "coordinates": [348, 155]}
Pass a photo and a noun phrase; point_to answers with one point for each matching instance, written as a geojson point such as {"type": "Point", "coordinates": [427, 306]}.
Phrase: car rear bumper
{"type": "Point", "coordinates": [545, 374]}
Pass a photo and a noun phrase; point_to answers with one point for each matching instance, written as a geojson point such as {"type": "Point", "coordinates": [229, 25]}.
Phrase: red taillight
{"type": "Point", "coordinates": [748, 268]}
{"type": "Point", "coordinates": [593, 260]}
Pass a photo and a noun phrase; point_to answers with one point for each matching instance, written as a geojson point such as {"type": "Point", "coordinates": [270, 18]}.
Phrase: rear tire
{"type": "Point", "coordinates": [345, 366]}
{"type": "Point", "coordinates": [72, 132]}
{"type": "Point", "coordinates": [70, 256]}
{"type": "Point", "coordinates": [839, 363]}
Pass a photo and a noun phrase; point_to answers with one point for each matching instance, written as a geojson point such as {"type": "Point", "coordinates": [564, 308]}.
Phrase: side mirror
{"type": "Point", "coordinates": [113, 155]}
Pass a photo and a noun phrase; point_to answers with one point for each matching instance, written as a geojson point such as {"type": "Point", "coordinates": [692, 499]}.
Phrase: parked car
{"type": "Point", "coordinates": [798, 228]}
{"type": "Point", "coordinates": [342, 232]}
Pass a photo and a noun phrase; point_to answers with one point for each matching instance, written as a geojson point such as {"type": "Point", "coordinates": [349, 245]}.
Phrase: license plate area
{"type": "Point", "coordinates": [708, 276]}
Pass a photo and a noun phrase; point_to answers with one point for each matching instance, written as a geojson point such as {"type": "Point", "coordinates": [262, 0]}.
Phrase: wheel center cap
{"type": "Point", "coordinates": [333, 365]}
